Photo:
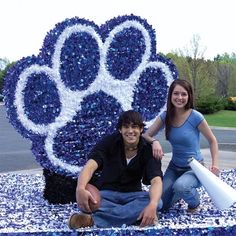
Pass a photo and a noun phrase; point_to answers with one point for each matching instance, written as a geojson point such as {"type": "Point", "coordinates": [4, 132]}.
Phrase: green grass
{"type": "Point", "coordinates": [222, 118]}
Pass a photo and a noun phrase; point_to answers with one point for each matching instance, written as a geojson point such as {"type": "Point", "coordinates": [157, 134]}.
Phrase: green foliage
{"type": "Point", "coordinates": [2, 75]}
{"type": "Point", "coordinates": [1, 82]}
{"type": "Point", "coordinates": [211, 80]}
{"type": "Point", "coordinates": [199, 71]}
{"type": "Point", "coordinates": [232, 81]}
{"type": "Point", "coordinates": [226, 57]}
{"type": "Point", "coordinates": [210, 104]}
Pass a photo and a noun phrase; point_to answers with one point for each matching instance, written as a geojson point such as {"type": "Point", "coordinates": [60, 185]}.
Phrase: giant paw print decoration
{"type": "Point", "coordinates": [72, 93]}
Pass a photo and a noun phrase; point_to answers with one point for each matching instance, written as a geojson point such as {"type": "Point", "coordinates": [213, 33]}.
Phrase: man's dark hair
{"type": "Point", "coordinates": [130, 117]}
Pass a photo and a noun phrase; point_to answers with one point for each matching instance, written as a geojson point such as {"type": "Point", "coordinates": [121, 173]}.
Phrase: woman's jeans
{"type": "Point", "coordinates": [180, 183]}
{"type": "Point", "coordinates": [118, 208]}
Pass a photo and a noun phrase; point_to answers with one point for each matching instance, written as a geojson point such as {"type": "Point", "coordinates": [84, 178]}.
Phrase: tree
{"type": "Point", "coordinates": [225, 65]}
{"type": "Point", "coordinates": [199, 69]}
{"type": "Point", "coordinates": [206, 79]}
{"type": "Point", "coordinates": [194, 54]}
{"type": "Point", "coordinates": [3, 74]}
{"type": "Point", "coordinates": [181, 64]}
{"type": "Point", "coordinates": [224, 71]}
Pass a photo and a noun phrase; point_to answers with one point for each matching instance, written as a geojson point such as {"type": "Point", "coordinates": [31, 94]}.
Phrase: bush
{"type": "Point", "coordinates": [209, 105]}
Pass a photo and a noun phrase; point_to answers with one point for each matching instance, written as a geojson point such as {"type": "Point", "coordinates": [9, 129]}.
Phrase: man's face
{"type": "Point", "coordinates": [131, 134]}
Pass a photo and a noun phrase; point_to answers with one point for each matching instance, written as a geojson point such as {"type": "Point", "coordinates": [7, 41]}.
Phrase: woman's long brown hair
{"type": "Point", "coordinates": [170, 107]}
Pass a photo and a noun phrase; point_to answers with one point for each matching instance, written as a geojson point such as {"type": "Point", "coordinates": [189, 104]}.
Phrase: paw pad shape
{"type": "Point", "coordinates": [72, 93]}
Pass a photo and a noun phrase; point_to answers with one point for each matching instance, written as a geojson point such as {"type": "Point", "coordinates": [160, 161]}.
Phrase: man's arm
{"type": "Point", "coordinates": [82, 195]}
{"type": "Point", "coordinates": [155, 190]}
{"type": "Point", "coordinates": [149, 215]}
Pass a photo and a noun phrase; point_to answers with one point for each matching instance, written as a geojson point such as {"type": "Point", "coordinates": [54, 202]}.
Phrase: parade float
{"type": "Point", "coordinates": [65, 99]}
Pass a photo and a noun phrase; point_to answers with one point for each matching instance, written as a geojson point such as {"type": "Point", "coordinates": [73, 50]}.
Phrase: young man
{"type": "Point", "coordinates": [124, 161]}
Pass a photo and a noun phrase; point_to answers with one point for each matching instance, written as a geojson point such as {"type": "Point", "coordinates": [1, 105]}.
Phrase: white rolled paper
{"type": "Point", "coordinates": [222, 194]}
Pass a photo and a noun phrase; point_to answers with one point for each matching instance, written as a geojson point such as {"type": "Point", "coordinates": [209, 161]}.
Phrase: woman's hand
{"type": "Point", "coordinates": [215, 170]}
{"type": "Point", "coordinates": [157, 149]}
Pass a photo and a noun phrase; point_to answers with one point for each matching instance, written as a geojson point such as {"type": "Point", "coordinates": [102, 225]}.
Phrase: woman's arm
{"type": "Point", "coordinates": [149, 136]}
{"type": "Point", "coordinates": [208, 134]}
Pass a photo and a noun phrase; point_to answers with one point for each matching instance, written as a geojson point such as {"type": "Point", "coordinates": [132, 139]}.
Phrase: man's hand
{"type": "Point", "coordinates": [148, 215]}
{"type": "Point", "coordinates": [83, 197]}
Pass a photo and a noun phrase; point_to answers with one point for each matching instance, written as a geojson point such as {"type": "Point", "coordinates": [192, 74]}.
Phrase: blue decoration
{"type": "Point", "coordinates": [72, 93]}
{"type": "Point", "coordinates": [24, 211]}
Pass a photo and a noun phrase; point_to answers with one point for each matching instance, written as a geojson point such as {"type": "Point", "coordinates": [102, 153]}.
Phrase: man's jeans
{"type": "Point", "coordinates": [180, 183]}
{"type": "Point", "coordinates": [119, 208]}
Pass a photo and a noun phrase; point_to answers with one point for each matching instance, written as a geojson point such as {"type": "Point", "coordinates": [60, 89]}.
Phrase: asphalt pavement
{"type": "Point", "coordinates": [16, 156]}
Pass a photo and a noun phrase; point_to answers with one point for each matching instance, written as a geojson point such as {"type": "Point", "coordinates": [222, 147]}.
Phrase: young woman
{"type": "Point", "coordinates": [182, 125]}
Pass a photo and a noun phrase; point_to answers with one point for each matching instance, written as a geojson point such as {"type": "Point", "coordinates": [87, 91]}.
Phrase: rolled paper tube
{"type": "Point", "coordinates": [222, 194]}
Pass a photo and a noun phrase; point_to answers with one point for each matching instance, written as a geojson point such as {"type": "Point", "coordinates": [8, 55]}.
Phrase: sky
{"type": "Point", "coordinates": [25, 23]}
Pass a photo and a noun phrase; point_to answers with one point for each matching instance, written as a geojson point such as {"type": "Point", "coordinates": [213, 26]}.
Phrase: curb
{"type": "Point", "coordinates": [222, 128]}
{"type": "Point", "coordinates": [26, 171]}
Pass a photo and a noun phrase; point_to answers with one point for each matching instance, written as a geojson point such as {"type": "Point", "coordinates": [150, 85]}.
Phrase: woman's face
{"type": "Point", "coordinates": [179, 97]}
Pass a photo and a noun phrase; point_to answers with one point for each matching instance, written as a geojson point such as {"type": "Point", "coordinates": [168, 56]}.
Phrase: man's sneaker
{"type": "Point", "coordinates": [79, 220]}
{"type": "Point", "coordinates": [193, 210]}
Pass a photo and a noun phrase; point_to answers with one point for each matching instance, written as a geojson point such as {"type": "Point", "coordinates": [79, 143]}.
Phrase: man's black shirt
{"type": "Point", "coordinates": [114, 172]}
